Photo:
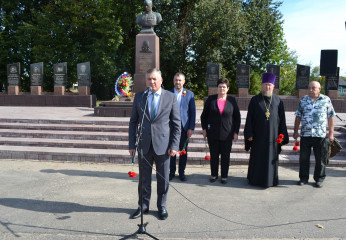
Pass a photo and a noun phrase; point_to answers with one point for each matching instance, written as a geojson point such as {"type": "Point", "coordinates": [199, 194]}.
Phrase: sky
{"type": "Point", "coordinates": [314, 25]}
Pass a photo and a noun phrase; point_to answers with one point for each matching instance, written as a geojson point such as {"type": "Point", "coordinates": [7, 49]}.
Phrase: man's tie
{"type": "Point", "coordinates": [153, 106]}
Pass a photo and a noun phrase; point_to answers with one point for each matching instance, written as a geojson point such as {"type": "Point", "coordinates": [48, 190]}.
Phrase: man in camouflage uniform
{"type": "Point", "coordinates": [314, 111]}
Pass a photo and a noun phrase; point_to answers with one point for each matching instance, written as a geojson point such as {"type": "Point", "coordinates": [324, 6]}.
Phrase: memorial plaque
{"type": "Point", "coordinates": [276, 70]}
{"type": "Point", "coordinates": [243, 76]}
{"type": "Point", "coordinates": [83, 74]}
{"type": "Point", "coordinates": [60, 74]}
{"type": "Point", "coordinates": [36, 74]}
{"type": "Point", "coordinates": [145, 61]}
{"type": "Point", "coordinates": [213, 74]}
{"type": "Point", "coordinates": [302, 77]}
{"type": "Point", "coordinates": [13, 74]}
{"type": "Point", "coordinates": [332, 82]}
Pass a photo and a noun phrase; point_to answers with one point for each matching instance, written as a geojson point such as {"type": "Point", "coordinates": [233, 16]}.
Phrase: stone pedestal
{"type": "Point", "coordinates": [83, 90]}
{"type": "Point", "coordinates": [13, 90]}
{"type": "Point", "coordinates": [243, 92]}
{"type": "Point", "coordinates": [302, 93]}
{"type": "Point", "coordinates": [276, 91]}
{"type": "Point", "coordinates": [147, 57]}
{"type": "Point", "coordinates": [59, 90]}
{"type": "Point", "coordinates": [36, 90]}
{"type": "Point", "coordinates": [333, 94]}
{"type": "Point", "coordinates": [212, 91]}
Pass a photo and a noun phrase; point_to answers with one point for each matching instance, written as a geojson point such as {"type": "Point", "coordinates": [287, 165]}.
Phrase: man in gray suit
{"type": "Point", "coordinates": [160, 138]}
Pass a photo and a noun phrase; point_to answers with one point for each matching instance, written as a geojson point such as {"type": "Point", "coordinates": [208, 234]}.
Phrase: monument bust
{"type": "Point", "coordinates": [148, 19]}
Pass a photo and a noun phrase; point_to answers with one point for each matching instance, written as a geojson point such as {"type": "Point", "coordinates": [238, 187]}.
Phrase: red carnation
{"type": "Point", "coordinates": [183, 152]}
{"type": "Point", "coordinates": [132, 174]}
{"type": "Point", "coordinates": [279, 140]}
{"type": "Point", "coordinates": [180, 153]}
{"type": "Point", "coordinates": [207, 157]}
{"type": "Point", "coordinates": [297, 144]}
{"type": "Point", "coordinates": [281, 136]}
{"type": "Point", "coordinates": [295, 148]}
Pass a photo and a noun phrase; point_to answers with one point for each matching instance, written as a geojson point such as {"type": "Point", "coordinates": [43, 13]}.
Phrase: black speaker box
{"type": "Point", "coordinates": [329, 62]}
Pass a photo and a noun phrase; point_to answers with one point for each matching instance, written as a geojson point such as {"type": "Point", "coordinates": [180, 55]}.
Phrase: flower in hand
{"type": "Point", "coordinates": [207, 157]}
{"type": "Point", "coordinates": [296, 145]}
{"type": "Point", "coordinates": [280, 138]}
{"type": "Point", "coordinates": [132, 174]}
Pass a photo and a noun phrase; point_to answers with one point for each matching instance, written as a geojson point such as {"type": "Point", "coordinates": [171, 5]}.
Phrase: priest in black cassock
{"type": "Point", "coordinates": [264, 122]}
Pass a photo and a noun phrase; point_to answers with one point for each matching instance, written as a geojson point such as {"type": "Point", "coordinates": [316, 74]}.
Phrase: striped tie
{"type": "Point", "coordinates": [153, 106]}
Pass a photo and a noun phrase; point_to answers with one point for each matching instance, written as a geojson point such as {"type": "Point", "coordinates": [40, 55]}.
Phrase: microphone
{"type": "Point", "coordinates": [147, 90]}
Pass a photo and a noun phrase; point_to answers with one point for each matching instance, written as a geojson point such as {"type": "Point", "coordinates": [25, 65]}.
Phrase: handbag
{"type": "Point", "coordinates": [335, 147]}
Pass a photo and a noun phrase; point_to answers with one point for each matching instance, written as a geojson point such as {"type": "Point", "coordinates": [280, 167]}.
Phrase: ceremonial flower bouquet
{"type": "Point", "coordinates": [207, 156]}
{"type": "Point", "coordinates": [183, 151]}
{"type": "Point", "coordinates": [296, 145]}
{"type": "Point", "coordinates": [123, 84]}
{"type": "Point", "coordinates": [131, 173]}
{"type": "Point", "coordinates": [280, 138]}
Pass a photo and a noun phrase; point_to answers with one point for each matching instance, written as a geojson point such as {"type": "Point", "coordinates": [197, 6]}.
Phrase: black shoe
{"type": "Point", "coordinates": [318, 184]}
{"type": "Point", "coordinates": [182, 178]}
{"type": "Point", "coordinates": [171, 176]}
{"type": "Point", "coordinates": [163, 214]}
{"type": "Point", "coordinates": [223, 181]}
{"type": "Point", "coordinates": [138, 212]}
{"type": "Point", "coordinates": [302, 182]}
{"type": "Point", "coordinates": [212, 179]}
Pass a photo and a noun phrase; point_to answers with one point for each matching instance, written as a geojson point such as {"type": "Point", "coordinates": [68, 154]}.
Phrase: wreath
{"type": "Point", "coordinates": [123, 84]}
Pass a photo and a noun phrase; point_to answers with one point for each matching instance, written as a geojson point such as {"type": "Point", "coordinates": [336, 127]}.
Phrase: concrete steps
{"type": "Point", "coordinates": [107, 141]}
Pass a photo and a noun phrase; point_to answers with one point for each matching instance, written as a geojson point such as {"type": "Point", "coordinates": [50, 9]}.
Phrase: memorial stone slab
{"type": "Point", "coordinates": [83, 74]}
{"type": "Point", "coordinates": [332, 82]}
{"type": "Point", "coordinates": [276, 70]}
{"type": "Point", "coordinates": [243, 76]}
{"type": "Point", "coordinates": [213, 74]}
{"type": "Point", "coordinates": [302, 77]}
{"type": "Point", "coordinates": [60, 74]}
{"type": "Point", "coordinates": [36, 74]}
{"type": "Point", "coordinates": [13, 74]}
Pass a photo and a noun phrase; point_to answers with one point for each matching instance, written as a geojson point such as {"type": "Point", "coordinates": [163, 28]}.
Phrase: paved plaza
{"type": "Point", "coordinates": [64, 200]}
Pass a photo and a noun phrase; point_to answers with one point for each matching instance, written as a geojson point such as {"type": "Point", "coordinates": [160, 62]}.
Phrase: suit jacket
{"type": "Point", "coordinates": [187, 110]}
{"type": "Point", "coordinates": [163, 131]}
{"type": "Point", "coordinates": [220, 127]}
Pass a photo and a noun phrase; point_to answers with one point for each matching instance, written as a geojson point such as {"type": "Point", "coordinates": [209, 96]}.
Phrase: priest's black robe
{"type": "Point", "coordinates": [264, 153]}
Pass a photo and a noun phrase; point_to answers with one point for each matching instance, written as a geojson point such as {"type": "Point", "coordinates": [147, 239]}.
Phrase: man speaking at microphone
{"type": "Point", "coordinates": [160, 138]}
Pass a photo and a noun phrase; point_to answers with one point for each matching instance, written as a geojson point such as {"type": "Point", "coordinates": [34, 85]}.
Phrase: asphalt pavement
{"type": "Point", "coordinates": [69, 200]}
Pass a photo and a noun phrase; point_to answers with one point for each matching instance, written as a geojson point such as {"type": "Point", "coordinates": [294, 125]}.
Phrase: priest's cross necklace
{"type": "Point", "coordinates": [267, 108]}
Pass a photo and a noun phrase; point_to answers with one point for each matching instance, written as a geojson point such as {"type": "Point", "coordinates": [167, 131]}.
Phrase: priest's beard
{"type": "Point", "coordinates": [267, 93]}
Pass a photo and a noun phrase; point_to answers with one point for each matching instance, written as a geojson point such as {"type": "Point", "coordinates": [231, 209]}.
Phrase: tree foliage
{"type": "Point", "coordinates": [192, 33]}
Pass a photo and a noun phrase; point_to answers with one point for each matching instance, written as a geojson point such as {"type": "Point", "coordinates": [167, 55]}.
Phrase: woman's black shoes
{"type": "Point", "coordinates": [211, 179]}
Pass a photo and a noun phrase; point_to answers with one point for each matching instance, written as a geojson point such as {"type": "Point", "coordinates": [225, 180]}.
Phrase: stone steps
{"type": "Point", "coordinates": [195, 145]}
{"type": "Point", "coordinates": [107, 141]}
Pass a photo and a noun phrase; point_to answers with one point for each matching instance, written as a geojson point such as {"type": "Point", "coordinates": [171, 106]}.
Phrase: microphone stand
{"type": "Point", "coordinates": [141, 227]}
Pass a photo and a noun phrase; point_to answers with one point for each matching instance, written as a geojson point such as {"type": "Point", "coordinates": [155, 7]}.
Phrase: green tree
{"type": "Point", "coordinates": [192, 33]}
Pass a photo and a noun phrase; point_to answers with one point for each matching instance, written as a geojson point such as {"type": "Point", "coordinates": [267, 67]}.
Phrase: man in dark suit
{"type": "Point", "coordinates": [160, 138]}
{"type": "Point", "coordinates": [187, 107]}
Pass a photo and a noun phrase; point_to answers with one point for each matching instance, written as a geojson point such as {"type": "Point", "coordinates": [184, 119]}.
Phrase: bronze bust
{"type": "Point", "coordinates": [148, 19]}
